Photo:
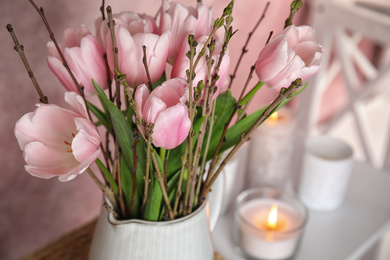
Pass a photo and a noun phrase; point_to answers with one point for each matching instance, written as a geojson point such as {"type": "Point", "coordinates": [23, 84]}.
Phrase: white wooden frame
{"type": "Point", "coordinates": [343, 25]}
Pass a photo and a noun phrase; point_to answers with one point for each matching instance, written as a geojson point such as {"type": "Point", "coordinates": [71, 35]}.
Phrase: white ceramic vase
{"type": "Point", "coordinates": [187, 238]}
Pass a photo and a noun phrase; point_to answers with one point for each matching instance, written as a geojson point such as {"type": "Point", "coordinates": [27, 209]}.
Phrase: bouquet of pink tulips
{"type": "Point", "coordinates": [166, 112]}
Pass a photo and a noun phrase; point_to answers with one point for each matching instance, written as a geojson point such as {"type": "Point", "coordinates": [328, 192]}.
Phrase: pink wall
{"type": "Point", "coordinates": [35, 211]}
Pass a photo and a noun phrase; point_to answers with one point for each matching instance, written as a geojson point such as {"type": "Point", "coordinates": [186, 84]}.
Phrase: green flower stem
{"type": "Point", "coordinates": [117, 174]}
{"type": "Point", "coordinates": [182, 170]}
{"type": "Point", "coordinates": [146, 180]}
{"type": "Point", "coordinates": [162, 154]}
{"type": "Point", "coordinates": [162, 186]}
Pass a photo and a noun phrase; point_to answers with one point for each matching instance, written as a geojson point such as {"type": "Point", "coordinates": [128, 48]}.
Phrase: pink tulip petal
{"type": "Point", "coordinates": [37, 155]}
{"type": "Point", "coordinates": [180, 21]}
{"type": "Point", "coordinates": [272, 58]}
{"type": "Point", "coordinates": [284, 78]}
{"type": "Point", "coordinates": [61, 73]}
{"type": "Point", "coordinates": [51, 137]}
{"type": "Point", "coordinates": [306, 72]}
{"type": "Point", "coordinates": [171, 127]}
{"type": "Point", "coordinates": [48, 124]}
{"type": "Point", "coordinates": [86, 142]}
{"type": "Point", "coordinates": [73, 37]}
{"type": "Point", "coordinates": [307, 56]}
{"type": "Point", "coordinates": [77, 103]}
{"type": "Point", "coordinates": [290, 55]}
{"type": "Point", "coordinates": [140, 96]}
{"type": "Point", "coordinates": [82, 167]}
{"type": "Point", "coordinates": [153, 107]}
{"type": "Point", "coordinates": [306, 33]}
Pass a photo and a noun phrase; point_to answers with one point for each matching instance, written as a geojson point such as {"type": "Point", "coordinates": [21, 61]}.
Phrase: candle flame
{"type": "Point", "coordinates": [273, 217]}
{"type": "Point", "coordinates": [274, 117]}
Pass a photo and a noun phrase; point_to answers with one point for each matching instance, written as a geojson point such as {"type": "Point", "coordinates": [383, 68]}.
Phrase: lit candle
{"type": "Point", "coordinates": [271, 149]}
{"type": "Point", "coordinates": [269, 228]}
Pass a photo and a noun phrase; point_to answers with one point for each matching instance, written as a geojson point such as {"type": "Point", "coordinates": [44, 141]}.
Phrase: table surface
{"type": "Point", "coordinates": [346, 233]}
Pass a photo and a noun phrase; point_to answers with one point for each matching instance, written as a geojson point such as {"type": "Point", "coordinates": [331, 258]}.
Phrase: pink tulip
{"type": "Point", "coordinates": [182, 64]}
{"type": "Point", "coordinates": [166, 108]}
{"type": "Point", "coordinates": [133, 22]}
{"type": "Point", "coordinates": [57, 141]}
{"type": "Point", "coordinates": [85, 59]}
{"type": "Point", "coordinates": [292, 54]}
{"type": "Point", "coordinates": [179, 21]}
{"type": "Point", "coordinates": [130, 55]}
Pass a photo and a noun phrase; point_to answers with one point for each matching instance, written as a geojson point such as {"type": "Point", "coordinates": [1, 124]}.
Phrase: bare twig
{"type": "Point", "coordinates": [213, 161]}
{"type": "Point", "coordinates": [110, 209]}
{"type": "Point", "coordinates": [102, 10]}
{"type": "Point", "coordinates": [145, 62]}
{"type": "Point", "coordinates": [135, 161]}
{"type": "Point", "coordinates": [284, 94]}
{"type": "Point", "coordinates": [244, 49]}
{"type": "Point", "coordinates": [20, 49]}
{"type": "Point", "coordinates": [105, 189]}
{"type": "Point", "coordinates": [79, 88]}
{"type": "Point", "coordinates": [111, 26]}
{"type": "Point", "coordinates": [51, 34]}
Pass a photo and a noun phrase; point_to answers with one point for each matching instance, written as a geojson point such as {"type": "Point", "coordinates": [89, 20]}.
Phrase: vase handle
{"type": "Point", "coordinates": [216, 200]}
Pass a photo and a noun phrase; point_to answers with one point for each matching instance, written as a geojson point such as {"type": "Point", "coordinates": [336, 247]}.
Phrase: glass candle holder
{"type": "Point", "coordinates": [268, 223]}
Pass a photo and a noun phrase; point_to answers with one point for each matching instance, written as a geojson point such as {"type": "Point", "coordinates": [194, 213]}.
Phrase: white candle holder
{"type": "Point", "coordinates": [253, 235]}
{"type": "Point", "coordinates": [326, 170]}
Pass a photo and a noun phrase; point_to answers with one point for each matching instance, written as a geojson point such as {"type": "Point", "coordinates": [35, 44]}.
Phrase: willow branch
{"type": "Point", "coordinates": [20, 49]}
{"type": "Point", "coordinates": [135, 161]}
{"type": "Point", "coordinates": [51, 34]}
{"type": "Point", "coordinates": [111, 27]}
{"type": "Point", "coordinates": [105, 189]}
{"type": "Point", "coordinates": [244, 49]}
{"type": "Point", "coordinates": [79, 88]}
{"type": "Point", "coordinates": [191, 108]}
{"type": "Point", "coordinates": [217, 24]}
{"type": "Point", "coordinates": [144, 61]}
{"type": "Point", "coordinates": [283, 95]}
{"type": "Point", "coordinates": [102, 10]}
{"type": "Point", "coordinates": [213, 161]}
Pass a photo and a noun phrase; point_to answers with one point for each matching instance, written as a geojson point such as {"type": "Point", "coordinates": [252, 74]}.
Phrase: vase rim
{"type": "Point", "coordinates": [114, 221]}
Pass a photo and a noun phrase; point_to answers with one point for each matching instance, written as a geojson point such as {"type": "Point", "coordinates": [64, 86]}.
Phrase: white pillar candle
{"type": "Point", "coordinates": [259, 235]}
{"type": "Point", "coordinates": [271, 149]}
